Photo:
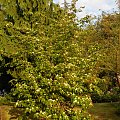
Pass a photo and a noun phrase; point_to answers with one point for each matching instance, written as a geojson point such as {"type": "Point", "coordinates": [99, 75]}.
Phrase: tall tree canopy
{"type": "Point", "coordinates": [53, 69]}
{"type": "Point", "coordinates": [107, 35]}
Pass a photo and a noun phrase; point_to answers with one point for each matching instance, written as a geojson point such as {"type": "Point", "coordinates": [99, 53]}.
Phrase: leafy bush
{"type": "Point", "coordinates": [2, 100]}
{"type": "Point", "coordinates": [109, 96]}
{"type": "Point", "coordinates": [52, 66]}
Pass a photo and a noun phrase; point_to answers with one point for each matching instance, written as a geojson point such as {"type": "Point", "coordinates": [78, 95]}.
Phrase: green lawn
{"type": "Point", "coordinates": [104, 111]}
{"type": "Point", "coordinates": [100, 111]}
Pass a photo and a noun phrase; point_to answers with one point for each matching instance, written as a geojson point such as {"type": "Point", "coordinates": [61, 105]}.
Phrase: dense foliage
{"type": "Point", "coordinates": [108, 29]}
{"type": "Point", "coordinates": [106, 34]}
{"type": "Point", "coordinates": [53, 74]}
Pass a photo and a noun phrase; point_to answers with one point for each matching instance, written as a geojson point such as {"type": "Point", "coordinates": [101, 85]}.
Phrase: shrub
{"type": "Point", "coordinates": [53, 74]}
{"type": "Point", "coordinates": [109, 96]}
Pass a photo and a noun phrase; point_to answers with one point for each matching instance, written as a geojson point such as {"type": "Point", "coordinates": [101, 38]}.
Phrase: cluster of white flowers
{"type": "Point", "coordinates": [38, 90]}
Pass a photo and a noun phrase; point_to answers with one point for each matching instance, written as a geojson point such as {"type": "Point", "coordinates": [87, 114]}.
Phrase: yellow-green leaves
{"type": "Point", "coordinates": [52, 67]}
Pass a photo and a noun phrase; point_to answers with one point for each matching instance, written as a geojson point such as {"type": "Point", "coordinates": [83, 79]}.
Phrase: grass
{"type": "Point", "coordinates": [4, 112]}
{"type": "Point", "coordinates": [104, 111]}
{"type": "Point", "coordinates": [100, 111]}
{"type": "Point", "coordinates": [7, 111]}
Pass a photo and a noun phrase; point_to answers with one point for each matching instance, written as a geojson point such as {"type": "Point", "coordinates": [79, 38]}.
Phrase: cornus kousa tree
{"type": "Point", "coordinates": [53, 70]}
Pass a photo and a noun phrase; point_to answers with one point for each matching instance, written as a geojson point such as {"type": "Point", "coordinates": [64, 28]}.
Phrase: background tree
{"type": "Point", "coordinates": [108, 29]}
{"type": "Point", "coordinates": [106, 35]}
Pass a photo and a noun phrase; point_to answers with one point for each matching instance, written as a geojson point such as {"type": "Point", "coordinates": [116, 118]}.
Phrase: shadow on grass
{"type": "Point", "coordinates": [104, 111]}
{"type": "Point", "coordinates": [15, 113]}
